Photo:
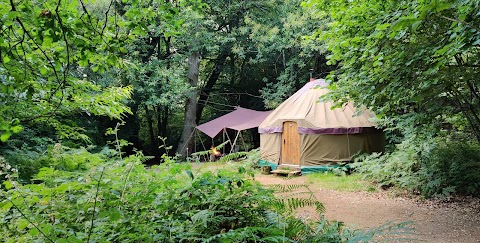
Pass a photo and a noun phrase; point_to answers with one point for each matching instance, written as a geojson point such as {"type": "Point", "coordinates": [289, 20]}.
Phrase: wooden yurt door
{"type": "Point", "coordinates": [290, 144]}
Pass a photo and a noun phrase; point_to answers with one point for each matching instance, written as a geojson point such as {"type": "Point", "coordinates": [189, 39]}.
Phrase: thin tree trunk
{"type": "Point", "coordinates": [162, 120]}
{"type": "Point", "coordinates": [464, 108]}
{"type": "Point", "coordinates": [151, 132]}
{"type": "Point", "coordinates": [165, 121]}
{"type": "Point", "coordinates": [186, 142]}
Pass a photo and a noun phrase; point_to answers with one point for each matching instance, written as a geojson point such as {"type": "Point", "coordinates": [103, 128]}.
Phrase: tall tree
{"type": "Point", "coordinates": [185, 144]}
{"type": "Point", "coordinates": [158, 73]}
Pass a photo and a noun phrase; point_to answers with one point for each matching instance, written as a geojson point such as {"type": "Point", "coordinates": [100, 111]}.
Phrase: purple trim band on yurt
{"type": "Point", "coordinates": [270, 130]}
{"type": "Point", "coordinates": [345, 130]}
{"type": "Point", "coordinates": [306, 130]}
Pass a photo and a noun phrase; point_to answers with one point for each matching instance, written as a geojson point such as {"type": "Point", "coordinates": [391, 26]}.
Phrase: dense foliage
{"type": "Point", "coordinates": [413, 62]}
{"type": "Point", "coordinates": [72, 72]}
{"type": "Point", "coordinates": [416, 65]}
{"type": "Point", "coordinates": [45, 51]}
{"type": "Point", "coordinates": [429, 167]}
{"type": "Point", "coordinates": [97, 197]}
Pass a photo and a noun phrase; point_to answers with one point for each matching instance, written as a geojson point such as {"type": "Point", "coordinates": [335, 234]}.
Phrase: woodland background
{"type": "Point", "coordinates": [113, 78]}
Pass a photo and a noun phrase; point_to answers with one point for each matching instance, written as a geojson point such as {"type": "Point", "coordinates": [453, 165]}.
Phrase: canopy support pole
{"type": "Point", "coordinates": [223, 141]}
{"type": "Point", "coordinates": [203, 146]}
{"type": "Point", "coordinates": [229, 140]}
{"type": "Point", "coordinates": [234, 142]}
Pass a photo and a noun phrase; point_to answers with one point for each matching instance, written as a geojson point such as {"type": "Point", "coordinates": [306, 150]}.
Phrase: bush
{"type": "Point", "coordinates": [435, 167]}
{"type": "Point", "coordinates": [29, 162]}
{"type": "Point", "coordinates": [451, 167]}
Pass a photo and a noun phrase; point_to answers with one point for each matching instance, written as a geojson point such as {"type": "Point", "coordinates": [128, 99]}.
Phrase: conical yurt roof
{"type": "Point", "coordinates": [315, 117]}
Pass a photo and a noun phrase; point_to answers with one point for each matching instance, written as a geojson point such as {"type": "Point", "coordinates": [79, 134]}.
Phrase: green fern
{"type": "Point", "coordinates": [207, 152]}
{"type": "Point", "coordinates": [201, 153]}
{"type": "Point", "coordinates": [232, 156]}
{"type": "Point", "coordinates": [287, 188]}
{"type": "Point", "coordinates": [293, 204]}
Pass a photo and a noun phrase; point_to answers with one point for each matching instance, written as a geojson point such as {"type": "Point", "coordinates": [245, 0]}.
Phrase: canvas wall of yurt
{"type": "Point", "coordinates": [309, 134]}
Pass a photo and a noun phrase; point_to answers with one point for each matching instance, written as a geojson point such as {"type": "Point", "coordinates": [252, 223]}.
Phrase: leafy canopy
{"type": "Point", "coordinates": [413, 62]}
{"type": "Point", "coordinates": [46, 49]}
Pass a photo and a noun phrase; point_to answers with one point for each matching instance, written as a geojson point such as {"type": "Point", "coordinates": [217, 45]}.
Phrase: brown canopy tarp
{"type": "Point", "coordinates": [239, 119]}
{"type": "Point", "coordinates": [320, 135]}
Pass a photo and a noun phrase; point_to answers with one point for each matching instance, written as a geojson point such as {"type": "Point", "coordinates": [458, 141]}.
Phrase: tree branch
{"type": "Point", "coordinates": [62, 27]}
{"type": "Point", "coordinates": [106, 17]}
{"type": "Point", "coordinates": [50, 62]}
{"type": "Point", "coordinates": [458, 21]}
{"type": "Point", "coordinates": [28, 219]}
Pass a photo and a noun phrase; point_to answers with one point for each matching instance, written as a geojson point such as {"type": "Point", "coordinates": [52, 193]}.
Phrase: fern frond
{"type": "Point", "coordinates": [200, 153]}
{"type": "Point", "coordinates": [287, 188]}
{"type": "Point", "coordinates": [220, 146]}
{"type": "Point", "coordinates": [293, 204]}
{"type": "Point", "coordinates": [298, 229]}
{"type": "Point", "coordinates": [232, 156]}
{"type": "Point", "coordinates": [392, 230]}
{"type": "Point", "coordinates": [301, 193]}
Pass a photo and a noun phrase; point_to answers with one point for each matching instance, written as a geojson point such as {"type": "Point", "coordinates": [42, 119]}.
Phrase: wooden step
{"type": "Point", "coordinates": [289, 167]}
{"type": "Point", "coordinates": [286, 172]}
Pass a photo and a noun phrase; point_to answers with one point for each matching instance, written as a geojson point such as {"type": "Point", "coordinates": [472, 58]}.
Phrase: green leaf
{"type": "Point", "coordinates": [22, 224]}
{"type": "Point", "coordinates": [43, 70]}
{"type": "Point", "coordinates": [114, 215]}
{"type": "Point", "coordinates": [6, 59]}
{"type": "Point", "coordinates": [16, 129]}
{"type": "Point", "coordinates": [7, 206]}
{"type": "Point", "coordinates": [382, 26]}
{"type": "Point", "coordinates": [8, 184]}
{"type": "Point", "coordinates": [33, 232]}
{"type": "Point", "coordinates": [5, 136]}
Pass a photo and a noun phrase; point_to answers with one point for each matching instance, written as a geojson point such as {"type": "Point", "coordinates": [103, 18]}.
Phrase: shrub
{"type": "Point", "coordinates": [29, 162]}
{"type": "Point", "coordinates": [435, 167]}
{"type": "Point", "coordinates": [451, 167]}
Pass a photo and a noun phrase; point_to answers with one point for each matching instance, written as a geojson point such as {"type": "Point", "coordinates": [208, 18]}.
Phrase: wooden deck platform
{"type": "Point", "coordinates": [286, 172]}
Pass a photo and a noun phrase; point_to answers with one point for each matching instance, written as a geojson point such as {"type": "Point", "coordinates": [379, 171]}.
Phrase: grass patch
{"type": "Point", "coordinates": [347, 183]}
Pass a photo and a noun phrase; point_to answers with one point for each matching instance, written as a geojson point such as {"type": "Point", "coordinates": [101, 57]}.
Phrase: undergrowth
{"type": "Point", "coordinates": [113, 199]}
{"type": "Point", "coordinates": [79, 196]}
{"type": "Point", "coordinates": [435, 167]}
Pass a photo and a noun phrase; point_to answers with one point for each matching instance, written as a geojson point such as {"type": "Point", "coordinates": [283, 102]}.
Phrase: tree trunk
{"type": "Point", "coordinates": [162, 120]}
{"type": "Point", "coordinates": [212, 79]}
{"type": "Point", "coordinates": [153, 141]}
{"type": "Point", "coordinates": [186, 142]}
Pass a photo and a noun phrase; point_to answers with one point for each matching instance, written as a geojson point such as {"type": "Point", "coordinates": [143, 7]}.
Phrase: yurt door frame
{"type": "Point", "coordinates": [290, 144]}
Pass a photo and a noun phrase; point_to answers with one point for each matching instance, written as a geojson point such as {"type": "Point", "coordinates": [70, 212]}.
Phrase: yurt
{"type": "Point", "coordinates": [307, 133]}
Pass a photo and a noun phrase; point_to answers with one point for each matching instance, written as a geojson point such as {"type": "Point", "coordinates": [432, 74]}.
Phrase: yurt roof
{"type": "Point", "coordinates": [317, 117]}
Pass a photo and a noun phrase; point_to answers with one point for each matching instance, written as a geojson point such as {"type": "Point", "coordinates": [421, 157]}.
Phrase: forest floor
{"type": "Point", "coordinates": [457, 220]}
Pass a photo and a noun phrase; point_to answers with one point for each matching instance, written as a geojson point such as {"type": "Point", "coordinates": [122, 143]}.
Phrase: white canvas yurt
{"type": "Point", "coordinates": [306, 133]}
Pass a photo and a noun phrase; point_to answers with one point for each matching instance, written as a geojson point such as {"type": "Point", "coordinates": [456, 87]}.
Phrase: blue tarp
{"type": "Point", "coordinates": [304, 169]}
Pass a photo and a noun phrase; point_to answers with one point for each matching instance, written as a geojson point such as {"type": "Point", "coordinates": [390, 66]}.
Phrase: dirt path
{"type": "Point", "coordinates": [433, 221]}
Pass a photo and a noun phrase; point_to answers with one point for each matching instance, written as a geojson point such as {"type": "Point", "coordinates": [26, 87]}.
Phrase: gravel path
{"type": "Point", "coordinates": [433, 221]}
